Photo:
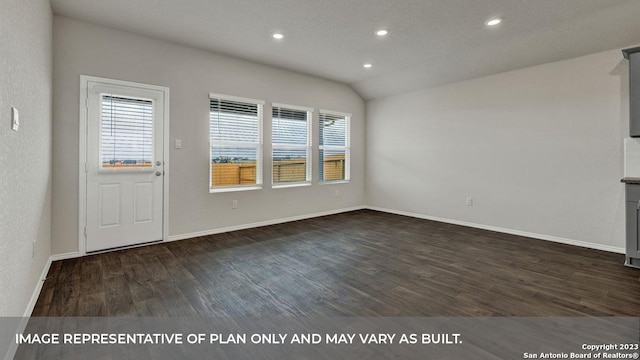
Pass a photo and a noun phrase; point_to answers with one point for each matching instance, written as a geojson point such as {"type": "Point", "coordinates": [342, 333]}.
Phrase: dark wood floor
{"type": "Point", "coordinates": [362, 263]}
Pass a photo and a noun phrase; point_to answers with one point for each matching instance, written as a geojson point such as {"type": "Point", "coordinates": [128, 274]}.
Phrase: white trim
{"type": "Point", "coordinates": [333, 182]}
{"type": "Point", "coordinates": [166, 156]}
{"type": "Point", "coordinates": [232, 188]}
{"type": "Point", "coordinates": [235, 98]}
{"type": "Point", "coordinates": [13, 347]}
{"type": "Point", "coordinates": [36, 291]}
{"type": "Point", "coordinates": [347, 150]}
{"type": "Point", "coordinates": [65, 256]}
{"type": "Point", "coordinates": [336, 113]}
{"type": "Point", "coordinates": [262, 223]}
{"type": "Point", "coordinates": [260, 152]}
{"type": "Point", "coordinates": [551, 238]}
{"type": "Point", "coordinates": [292, 107]}
{"type": "Point", "coordinates": [285, 185]}
{"type": "Point", "coordinates": [82, 158]}
{"type": "Point", "coordinates": [82, 161]}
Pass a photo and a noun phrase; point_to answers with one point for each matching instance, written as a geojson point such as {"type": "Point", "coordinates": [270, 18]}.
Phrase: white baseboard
{"type": "Point", "coordinates": [505, 230]}
{"type": "Point", "coordinates": [64, 256]}
{"type": "Point", "coordinates": [13, 347]}
{"type": "Point", "coordinates": [11, 352]}
{"type": "Point", "coordinates": [557, 239]}
{"type": "Point", "coordinates": [36, 292]}
{"type": "Point", "coordinates": [34, 299]}
{"type": "Point", "coordinates": [262, 223]}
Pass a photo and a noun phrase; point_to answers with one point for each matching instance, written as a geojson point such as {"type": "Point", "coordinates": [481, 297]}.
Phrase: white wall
{"type": "Point", "coordinates": [191, 74]}
{"type": "Point", "coordinates": [25, 156]}
{"type": "Point", "coordinates": [539, 149]}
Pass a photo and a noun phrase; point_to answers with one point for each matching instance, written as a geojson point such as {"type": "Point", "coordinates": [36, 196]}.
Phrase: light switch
{"type": "Point", "coordinates": [178, 144]}
{"type": "Point", "coordinates": [15, 119]}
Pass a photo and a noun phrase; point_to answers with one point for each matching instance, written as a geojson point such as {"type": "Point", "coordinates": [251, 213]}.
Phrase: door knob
{"type": "Point", "coordinates": [158, 163]}
{"type": "Point", "coordinates": [158, 173]}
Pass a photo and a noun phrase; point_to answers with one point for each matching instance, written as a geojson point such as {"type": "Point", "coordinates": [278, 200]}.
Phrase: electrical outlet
{"type": "Point", "coordinates": [469, 201]}
{"type": "Point", "coordinates": [234, 204]}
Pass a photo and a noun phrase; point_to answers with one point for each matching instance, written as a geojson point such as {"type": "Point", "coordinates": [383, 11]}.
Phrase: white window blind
{"type": "Point", "coordinates": [126, 138]}
{"type": "Point", "coordinates": [334, 146]}
{"type": "Point", "coordinates": [235, 127]}
{"type": "Point", "coordinates": [291, 138]}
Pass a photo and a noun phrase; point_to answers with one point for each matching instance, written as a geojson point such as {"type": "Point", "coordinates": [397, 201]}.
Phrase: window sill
{"type": "Point", "coordinates": [292, 185]}
{"type": "Point", "coordinates": [233, 189]}
{"type": "Point", "coordinates": [127, 170]}
{"type": "Point", "coordinates": [331, 182]}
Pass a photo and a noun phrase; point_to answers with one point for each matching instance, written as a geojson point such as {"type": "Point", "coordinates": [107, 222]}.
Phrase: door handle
{"type": "Point", "coordinates": [158, 163]}
{"type": "Point", "coordinates": [158, 173]}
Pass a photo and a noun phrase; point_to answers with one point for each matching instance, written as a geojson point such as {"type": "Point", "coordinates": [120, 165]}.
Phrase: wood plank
{"type": "Point", "coordinates": [360, 263]}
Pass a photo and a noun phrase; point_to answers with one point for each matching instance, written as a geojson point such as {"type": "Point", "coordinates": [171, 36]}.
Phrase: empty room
{"type": "Point", "coordinates": [446, 175]}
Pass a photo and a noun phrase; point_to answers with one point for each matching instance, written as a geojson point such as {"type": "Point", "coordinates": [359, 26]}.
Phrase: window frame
{"type": "Point", "coordinates": [259, 145]}
{"type": "Point", "coordinates": [125, 169]}
{"type": "Point", "coordinates": [346, 147]}
{"type": "Point", "coordinates": [307, 147]}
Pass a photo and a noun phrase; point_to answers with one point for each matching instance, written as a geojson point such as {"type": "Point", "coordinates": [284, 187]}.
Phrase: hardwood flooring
{"type": "Point", "coordinates": [361, 263]}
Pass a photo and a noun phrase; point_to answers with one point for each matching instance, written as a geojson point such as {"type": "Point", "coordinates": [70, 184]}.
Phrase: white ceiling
{"type": "Point", "coordinates": [431, 42]}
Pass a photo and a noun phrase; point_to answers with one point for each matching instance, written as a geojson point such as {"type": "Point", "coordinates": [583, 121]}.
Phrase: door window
{"type": "Point", "coordinates": [126, 132]}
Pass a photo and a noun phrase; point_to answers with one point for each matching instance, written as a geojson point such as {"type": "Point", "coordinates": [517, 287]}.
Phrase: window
{"type": "Point", "coordinates": [334, 149]}
{"type": "Point", "coordinates": [291, 138]}
{"type": "Point", "coordinates": [236, 143]}
{"type": "Point", "coordinates": [126, 132]}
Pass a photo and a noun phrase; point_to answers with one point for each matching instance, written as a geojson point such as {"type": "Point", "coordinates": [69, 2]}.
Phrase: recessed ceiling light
{"type": "Point", "coordinates": [382, 32]}
{"type": "Point", "coordinates": [278, 36]}
{"type": "Point", "coordinates": [493, 21]}
{"type": "Point", "coordinates": [367, 66]}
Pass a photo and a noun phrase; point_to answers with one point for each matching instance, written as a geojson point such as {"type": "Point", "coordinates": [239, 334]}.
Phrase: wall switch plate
{"type": "Point", "coordinates": [234, 204]}
{"type": "Point", "coordinates": [15, 119]}
{"type": "Point", "coordinates": [178, 144]}
{"type": "Point", "coordinates": [337, 193]}
{"type": "Point", "coordinates": [469, 201]}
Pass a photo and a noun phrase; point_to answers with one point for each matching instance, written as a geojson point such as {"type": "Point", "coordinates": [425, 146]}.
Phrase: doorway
{"type": "Point", "coordinates": [123, 164]}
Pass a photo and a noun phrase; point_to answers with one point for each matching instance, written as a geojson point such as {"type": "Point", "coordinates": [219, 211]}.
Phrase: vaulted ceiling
{"type": "Point", "coordinates": [430, 42]}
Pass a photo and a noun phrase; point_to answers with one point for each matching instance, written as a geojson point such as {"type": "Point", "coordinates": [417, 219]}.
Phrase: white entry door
{"type": "Point", "coordinates": [124, 165]}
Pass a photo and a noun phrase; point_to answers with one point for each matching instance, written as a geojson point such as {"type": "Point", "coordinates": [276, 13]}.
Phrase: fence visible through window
{"type": "Point", "coordinates": [243, 173]}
